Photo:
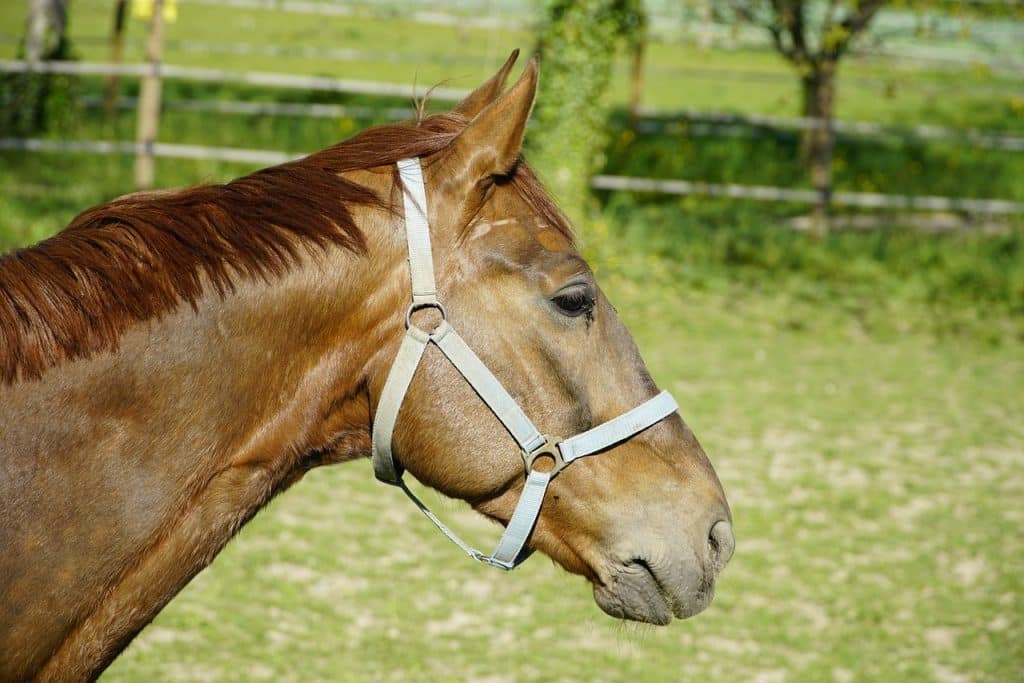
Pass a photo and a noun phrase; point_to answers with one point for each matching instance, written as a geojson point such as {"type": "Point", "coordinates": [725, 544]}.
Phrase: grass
{"type": "Point", "coordinates": [894, 165]}
{"type": "Point", "coordinates": [877, 495]}
{"type": "Point", "coordinates": [888, 281]}
{"type": "Point", "coordinates": [860, 397]}
{"type": "Point", "coordinates": [873, 463]}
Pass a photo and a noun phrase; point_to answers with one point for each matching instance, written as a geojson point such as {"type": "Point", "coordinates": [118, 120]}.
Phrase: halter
{"type": "Point", "coordinates": [534, 446]}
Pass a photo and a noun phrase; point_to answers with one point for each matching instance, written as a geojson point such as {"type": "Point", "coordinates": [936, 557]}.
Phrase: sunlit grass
{"type": "Point", "coordinates": [877, 495]}
{"type": "Point", "coordinates": [873, 465]}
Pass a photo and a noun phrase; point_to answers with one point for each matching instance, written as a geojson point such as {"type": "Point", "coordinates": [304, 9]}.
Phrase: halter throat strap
{"type": "Point", "coordinates": [534, 446]}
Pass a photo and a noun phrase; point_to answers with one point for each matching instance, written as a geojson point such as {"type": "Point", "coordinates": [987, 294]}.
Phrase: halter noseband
{"type": "Point", "coordinates": [534, 446]}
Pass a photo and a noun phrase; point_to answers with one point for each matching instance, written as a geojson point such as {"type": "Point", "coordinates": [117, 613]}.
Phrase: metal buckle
{"type": "Point", "coordinates": [427, 304]}
{"type": "Point", "coordinates": [548, 449]}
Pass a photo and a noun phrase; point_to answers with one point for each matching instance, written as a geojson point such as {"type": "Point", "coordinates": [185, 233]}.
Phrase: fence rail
{"type": "Point", "coordinates": [262, 78]}
{"type": "Point", "coordinates": [703, 72]}
{"type": "Point", "coordinates": [600, 182]}
{"type": "Point", "coordinates": [721, 123]}
{"type": "Point", "coordinates": [297, 109]}
{"type": "Point", "coordinates": [658, 119]}
{"type": "Point", "coordinates": [764, 193]}
{"type": "Point", "coordinates": [159, 149]}
{"type": "Point", "coordinates": [423, 16]}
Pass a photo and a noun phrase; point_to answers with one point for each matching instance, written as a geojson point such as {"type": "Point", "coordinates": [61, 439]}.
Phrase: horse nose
{"type": "Point", "coordinates": [721, 544]}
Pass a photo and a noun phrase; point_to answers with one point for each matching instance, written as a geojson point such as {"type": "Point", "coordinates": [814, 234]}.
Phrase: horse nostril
{"type": "Point", "coordinates": [721, 543]}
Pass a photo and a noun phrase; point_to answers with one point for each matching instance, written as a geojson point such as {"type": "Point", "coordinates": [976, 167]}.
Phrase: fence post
{"type": "Point", "coordinates": [149, 100]}
{"type": "Point", "coordinates": [35, 35]}
{"type": "Point", "coordinates": [116, 43]}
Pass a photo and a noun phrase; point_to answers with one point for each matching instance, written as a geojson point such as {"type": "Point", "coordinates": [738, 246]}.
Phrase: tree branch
{"type": "Point", "coordinates": [854, 22]}
{"type": "Point", "coordinates": [830, 13]}
{"type": "Point", "coordinates": [790, 13]}
{"type": "Point", "coordinates": [795, 51]}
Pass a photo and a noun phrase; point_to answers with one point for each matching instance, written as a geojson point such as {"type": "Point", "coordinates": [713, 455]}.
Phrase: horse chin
{"type": "Point", "coordinates": [639, 592]}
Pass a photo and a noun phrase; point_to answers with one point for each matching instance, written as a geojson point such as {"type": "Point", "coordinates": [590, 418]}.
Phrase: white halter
{"type": "Point", "coordinates": [534, 445]}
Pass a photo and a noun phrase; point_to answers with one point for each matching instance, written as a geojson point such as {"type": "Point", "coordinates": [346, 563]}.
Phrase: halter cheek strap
{"type": "Point", "coordinates": [533, 445]}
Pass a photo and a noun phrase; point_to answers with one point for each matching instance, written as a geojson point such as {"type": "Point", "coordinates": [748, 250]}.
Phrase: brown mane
{"type": "Point", "coordinates": [140, 256]}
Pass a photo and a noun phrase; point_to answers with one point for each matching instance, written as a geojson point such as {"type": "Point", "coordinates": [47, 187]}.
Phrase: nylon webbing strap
{"type": "Point", "coordinates": [488, 387]}
{"type": "Point", "coordinates": [417, 231]}
{"type": "Point", "coordinates": [395, 387]}
{"type": "Point", "coordinates": [519, 528]}
{"type": "Point", "coordinates": [511, 549]}
{"type": "Point", "coordinates": [621, 428]}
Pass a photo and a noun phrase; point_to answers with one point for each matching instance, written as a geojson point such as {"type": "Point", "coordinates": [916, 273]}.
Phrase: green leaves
{"type": "Point", "coordinates": [577, 42]}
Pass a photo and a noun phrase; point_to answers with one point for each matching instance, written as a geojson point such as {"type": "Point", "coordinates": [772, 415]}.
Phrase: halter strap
{"type": "Point", "coordinates": [488, 387]}
{"type": "Point", "coordinates": [621, 428]}
{"type": "Point", "coordinates": [417, 232]}
{"type": "Point", "coordinates": [510, 549]}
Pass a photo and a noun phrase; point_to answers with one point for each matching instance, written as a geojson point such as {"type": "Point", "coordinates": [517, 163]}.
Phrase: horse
{"type": "Point", "coordinates": [172, 360]}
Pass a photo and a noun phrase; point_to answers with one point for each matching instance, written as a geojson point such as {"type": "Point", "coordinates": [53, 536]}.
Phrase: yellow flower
{"type": "Point", "coordinates": [143, 9]}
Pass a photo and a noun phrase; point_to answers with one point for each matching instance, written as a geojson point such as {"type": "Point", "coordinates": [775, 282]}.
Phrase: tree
{"type": "Point", "coordinates": [578, 40]}
{"type": "Point", "coordinates": [813, 37]}
{"type": "Point", "coordinates": [36, 101]}
{"type": "Point", "coordinates": [45, 31]}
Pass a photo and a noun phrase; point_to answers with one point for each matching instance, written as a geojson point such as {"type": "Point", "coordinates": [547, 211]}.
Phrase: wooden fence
{"type": "Point", "coordinates": [203, 74]}
{"type": "Point", "coordinates": [146, 147]}
{"type": "Point", "coordinates": [993, 207]}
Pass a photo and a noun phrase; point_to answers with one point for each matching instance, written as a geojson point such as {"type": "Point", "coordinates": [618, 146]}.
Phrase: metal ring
{"type": "Point", "coordinates": [547, 449]}
{"type": "Point", "coordinates": [429, 304]}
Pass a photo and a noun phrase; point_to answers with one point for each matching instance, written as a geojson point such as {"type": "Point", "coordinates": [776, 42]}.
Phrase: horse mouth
{"type": "Point", "coordinates": [638, 591]}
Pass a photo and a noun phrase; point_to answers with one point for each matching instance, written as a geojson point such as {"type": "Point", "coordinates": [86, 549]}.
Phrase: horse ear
{"type": "Point", "coordinates": [490, 144]}
{"type": "Point", "coordinates": [488, 91]}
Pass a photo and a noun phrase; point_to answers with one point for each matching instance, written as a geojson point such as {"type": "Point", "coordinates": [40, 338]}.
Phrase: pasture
{"type": "Point", "coordinates": [861, 399]}
{"type": "Point", "coordinates": [877, 494]}
{"type": "Point", "coordinates": [874, 471]}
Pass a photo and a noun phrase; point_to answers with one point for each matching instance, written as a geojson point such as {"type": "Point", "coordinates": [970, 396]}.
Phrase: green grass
{"type": "Point", "coordinates": [877, 495]}
{"type": "Point", "coordinates": [900, 165]}
{"type": "Point", "coordinates": [872, 457]}
{"type": "Point", "coordinates": [887, 281]}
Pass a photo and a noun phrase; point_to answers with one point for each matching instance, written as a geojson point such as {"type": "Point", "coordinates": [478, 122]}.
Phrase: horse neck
{"type": "Point", "coordinates": [182, 435]}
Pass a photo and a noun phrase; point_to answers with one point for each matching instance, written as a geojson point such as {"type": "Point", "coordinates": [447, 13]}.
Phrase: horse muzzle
{"type": "Point", "coordinates": [655, 586]}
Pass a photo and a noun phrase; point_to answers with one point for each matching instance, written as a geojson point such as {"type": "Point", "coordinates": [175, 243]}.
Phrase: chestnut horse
{"type": "Point", "coordinates": [171, 361]}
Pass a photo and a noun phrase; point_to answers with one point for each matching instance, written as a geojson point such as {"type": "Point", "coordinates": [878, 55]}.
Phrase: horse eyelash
{"type": "Point", "coordinates": [577, 301]}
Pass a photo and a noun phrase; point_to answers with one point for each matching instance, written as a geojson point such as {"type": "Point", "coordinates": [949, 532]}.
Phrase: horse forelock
{"type": "Point", "coordinates": [141, 256]}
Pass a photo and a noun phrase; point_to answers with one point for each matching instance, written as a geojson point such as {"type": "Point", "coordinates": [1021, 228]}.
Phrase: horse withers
{"type": "Point", "coordinates": [169, 362]}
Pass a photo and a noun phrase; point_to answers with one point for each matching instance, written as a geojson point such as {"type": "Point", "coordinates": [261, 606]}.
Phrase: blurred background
{"type": "Point", "coordinates": [810, 214]}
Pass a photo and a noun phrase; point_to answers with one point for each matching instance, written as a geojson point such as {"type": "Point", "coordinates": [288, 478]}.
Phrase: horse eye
{"type": "Point", "coordinates": [574, 302]}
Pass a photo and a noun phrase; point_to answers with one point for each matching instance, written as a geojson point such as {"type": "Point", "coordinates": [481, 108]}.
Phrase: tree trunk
{"type": "Point", "coordinates": [577, 44]}
{"type": "Point", "coordinates": [638, 82]}
{"type": "Point", "coordinates": [35, 33]}
{"type": "Point", "coordinates": [116, 44]}
{"type": "Point", "coordinates": [818, 89]}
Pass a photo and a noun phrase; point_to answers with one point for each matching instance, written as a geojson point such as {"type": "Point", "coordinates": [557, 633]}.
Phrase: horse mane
{"type": "Point", "coordinates": [140, 256]}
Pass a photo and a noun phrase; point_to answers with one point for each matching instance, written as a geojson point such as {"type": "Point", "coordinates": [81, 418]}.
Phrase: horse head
{"type": "Point", "coordinates": [647, 522]}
